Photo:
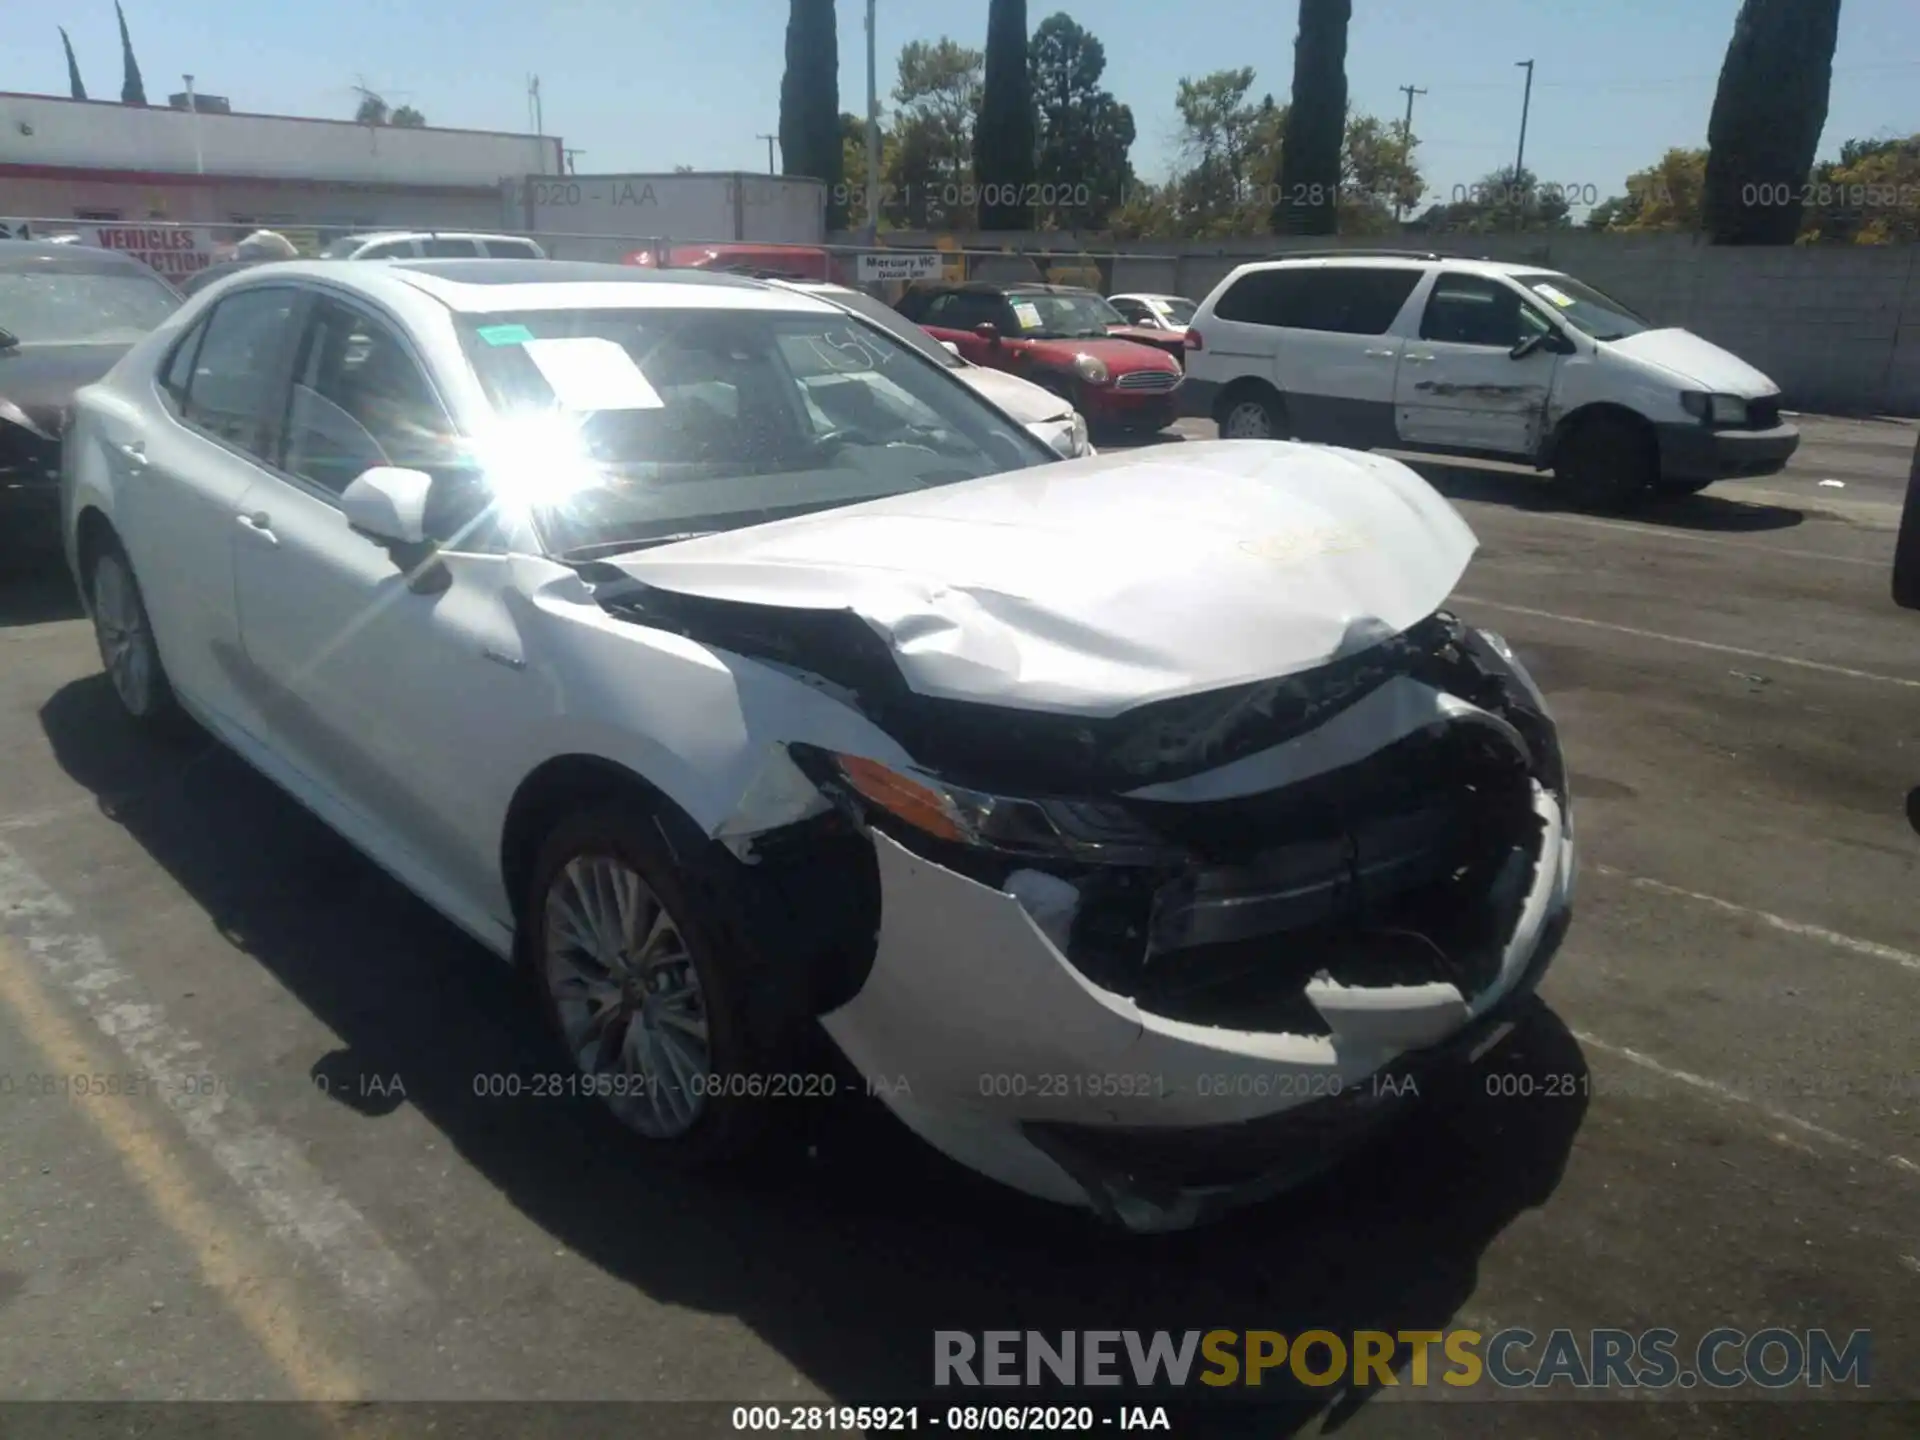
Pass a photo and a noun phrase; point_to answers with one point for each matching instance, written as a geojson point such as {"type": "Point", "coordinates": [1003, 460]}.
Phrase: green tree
{"type": "Point", "coordinates": [1767, 117]}
{"type": "Point", "coordinates": [75, 87]}
{"type": "Point", "coordinates": [1310, 158]}
{"type": "Point", "coordinates": [1869, 196]}
{"type": "Point", "coordinates": [1003, 157]}
{"type": "Point", "coordinates": [1506, 200]}
{"type": "Point", "coordinates": [371, 110]}
{"type": "Point", "coordinates": [133, 90]}
{"type": "Point", "coordinates": [1230, 144]}
{"type": "Point", "coordinates": [1085, 136]}
{"type": "Point", "coordinates": [1666, 195]}
{"type": "Point", "coordinates": [810, 102]}
{"type": "Point", "coordinates": [1378, 178]}
{"type": "Point", "coordinates": [407, 118]}
{"type": "Point", "coordinates": [853, 151]}
{"type": "Point", "coordinates": [938, 92]}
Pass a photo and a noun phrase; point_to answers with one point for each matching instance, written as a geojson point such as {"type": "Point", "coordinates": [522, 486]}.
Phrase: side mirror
{"type": "Point", "coordinates": [1527, 346]}
{"type": "Point", "coordinates": [988, 331]}
{"type": "Point", "coordinates": [951, 348]}
{"type": "Point", "coordinates": [1906, 549]}
{"type": "Point", "coordinates": [388, 504]}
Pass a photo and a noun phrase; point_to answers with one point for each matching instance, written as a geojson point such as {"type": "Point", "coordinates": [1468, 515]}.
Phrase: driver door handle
{"type": "Point", "coordinates": [133, 451]}
{"type": "Point", "coordinates": [1381, 354]}
{"type": "Point", "coordinates": [260, 524]}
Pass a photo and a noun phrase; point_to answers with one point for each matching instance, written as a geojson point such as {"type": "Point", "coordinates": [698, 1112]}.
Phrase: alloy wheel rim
{"type": "Point", "coordinates": [125, 647]}
{"type": "Point", "coordinates": [629, 998]}
{"type": "Point", "coordinates": [1248, 421]}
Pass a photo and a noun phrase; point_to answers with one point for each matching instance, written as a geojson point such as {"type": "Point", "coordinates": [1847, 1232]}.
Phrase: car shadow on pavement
{"type": "Point", "coordinates": [35, 587]}
{"type": "Point", "coordinates": [1537, 493]}
{"type": "Point", "coordinates": [854, 1243]}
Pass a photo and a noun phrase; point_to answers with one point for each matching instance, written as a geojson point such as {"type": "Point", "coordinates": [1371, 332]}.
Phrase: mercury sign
{"type": "Point", "coordinates": [174, 252]}
{"type": "Point", "coordinates": [902, 265]}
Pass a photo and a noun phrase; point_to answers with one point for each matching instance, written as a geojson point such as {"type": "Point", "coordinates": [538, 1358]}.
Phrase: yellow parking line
{"type": "Point", "coordinates": [240, 1276]}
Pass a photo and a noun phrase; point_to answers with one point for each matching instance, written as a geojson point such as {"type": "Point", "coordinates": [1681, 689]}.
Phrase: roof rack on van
{"type": "Point", "coordinates": [1364, 254]}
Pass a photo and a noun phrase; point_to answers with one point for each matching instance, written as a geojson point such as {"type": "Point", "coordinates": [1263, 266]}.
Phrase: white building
{"type": "Point", "coordinates": [104, 161]}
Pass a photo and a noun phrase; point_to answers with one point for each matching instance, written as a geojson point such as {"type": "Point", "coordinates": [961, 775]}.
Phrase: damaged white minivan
{"type": "Point", "coordinates": [742, 674]}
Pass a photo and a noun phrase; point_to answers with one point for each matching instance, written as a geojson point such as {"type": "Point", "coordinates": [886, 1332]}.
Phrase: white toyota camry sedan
{"type": "Point", "coordinates": [740, 673]}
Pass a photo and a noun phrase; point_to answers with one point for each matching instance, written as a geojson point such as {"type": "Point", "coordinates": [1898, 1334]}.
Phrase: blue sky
{"type": "Point", "coordinates": [650, 85]}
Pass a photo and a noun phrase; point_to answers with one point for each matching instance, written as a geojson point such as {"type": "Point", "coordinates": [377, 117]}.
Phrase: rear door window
{"type": "Point", "coordinates": [235, 365]}
{"type": "Point", "coordinates": [442, 247]}
{"type": "Point", "coordinates": [1338, 299]}
{"type": "Point", "coordinates": [512, 249]}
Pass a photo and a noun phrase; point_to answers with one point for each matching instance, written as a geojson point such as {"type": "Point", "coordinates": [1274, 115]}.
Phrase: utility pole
{"type": "Point", "coordinates": [1406, 139]}
{"type": "Point", "coordinates": [533, 104]}
{"type": "Point", "coordinates": [1526, 103]}
{"type": "Point", "coordinates": [193, 109]}
{"type": "Point", "coordinates": [769, 139]}
{"type": "Point", "coordinates": [873, 131]}
{"type": "Point", "coordinates": [568, 155]}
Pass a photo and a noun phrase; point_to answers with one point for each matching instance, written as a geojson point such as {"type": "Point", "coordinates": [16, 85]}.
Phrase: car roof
{"type": "Point", "coordinates": [476, 286]}
{"type": "Point", "coordinates": [1460, 264]}
{"type": "Point", "coordinates": [1148, 295]}
{"type": "Point", "coordinates": [39, 255]}
{"type": "Point", "coordinates": [370, 236]}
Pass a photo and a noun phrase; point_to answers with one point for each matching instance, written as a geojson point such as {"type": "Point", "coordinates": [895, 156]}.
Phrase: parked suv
{"type": "Point", "coordinates": [1479, 358]}
{"type": "Point", "coordinates": [433, 245]}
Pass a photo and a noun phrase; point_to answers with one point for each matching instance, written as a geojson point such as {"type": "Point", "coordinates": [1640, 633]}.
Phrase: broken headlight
{"type": "Point", "coordinates": [1092, 832]}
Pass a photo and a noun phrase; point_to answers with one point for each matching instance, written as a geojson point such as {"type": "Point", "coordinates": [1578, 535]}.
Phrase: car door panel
{"type": "Point", "coordinates": [365, 676]}
{"type": "Point", "coordinates": [1459, 386]}
{"type": "Point", "coordinates": [181, 478]}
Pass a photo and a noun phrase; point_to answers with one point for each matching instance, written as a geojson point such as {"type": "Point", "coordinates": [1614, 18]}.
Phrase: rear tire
{"type": "Point", "coordinates": [124, 634]}
{"type": "Point", "coordinates": [1252, 413]}
{"type": "Point", "coordinates": [1609, 463]}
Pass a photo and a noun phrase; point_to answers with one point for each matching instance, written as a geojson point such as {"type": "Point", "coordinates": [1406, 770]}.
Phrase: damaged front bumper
{"type": "Point", "coordinates": [1194, 993]}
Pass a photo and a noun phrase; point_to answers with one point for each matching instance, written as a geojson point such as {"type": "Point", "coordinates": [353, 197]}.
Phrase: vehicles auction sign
{"type": "Point", "coordinates": [900, 265]}
{"type": "Point", "coordinates": [173, 251]}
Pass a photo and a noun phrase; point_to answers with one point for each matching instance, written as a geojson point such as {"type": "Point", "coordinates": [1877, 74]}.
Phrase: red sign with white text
{"type": "Point", "coordinates": [173, 252]}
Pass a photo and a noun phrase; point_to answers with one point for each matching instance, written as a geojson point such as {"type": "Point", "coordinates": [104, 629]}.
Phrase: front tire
{"type": "Point", "coordinates": [1610, 462]}
{"type": "Point", "coordinates": [124, 634]}
{"type": "Point", "coordinates": [647, 988]}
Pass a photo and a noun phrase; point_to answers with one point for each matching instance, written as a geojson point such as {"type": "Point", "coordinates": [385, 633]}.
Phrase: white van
{"type": "Point", "coordinates": [1398, 350]}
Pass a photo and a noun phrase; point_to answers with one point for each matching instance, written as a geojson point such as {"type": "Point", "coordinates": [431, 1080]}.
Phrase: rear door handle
{"type": "Point", "coordinates": [1381, 354]}
{"type": "Point", "coordinates": [1418, 359]}
{"type": "Point", "coordinates": [261, 524]}
{"type": "Point", "coordinates": [134, 451]}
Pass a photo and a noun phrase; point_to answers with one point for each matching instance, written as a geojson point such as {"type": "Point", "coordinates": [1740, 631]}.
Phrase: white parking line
{"type": "Point", "coordinates": [1872, 948]}
{"type": "Point", "coordinates": [1714, 646]}
{"type": "Point", "coordinates": [295, 1202]}
{"type": "Point", "coordinates": [1727, 1095]}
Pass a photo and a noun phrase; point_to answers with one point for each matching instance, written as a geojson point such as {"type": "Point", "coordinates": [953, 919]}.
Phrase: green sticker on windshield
{"type": "Point", "coordinates": [505, 334]}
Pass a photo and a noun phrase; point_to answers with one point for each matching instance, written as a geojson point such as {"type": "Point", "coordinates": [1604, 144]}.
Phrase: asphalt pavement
{"type": "Point", "coordinates": [248, 1149]}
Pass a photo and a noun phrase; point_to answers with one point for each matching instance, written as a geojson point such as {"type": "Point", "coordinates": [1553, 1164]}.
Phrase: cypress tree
{"type": "Point", "coordinates": [1767, 117]}
{"type": "Point", "coordinates": [1003, 145]}
{"type": "Point", "coordinates": [1308, 203]}
{"type": "Point", "coordinates": [75, 87]}
{"type": "Point", "coordinates": [810, 103]}
{"type": "Point", "coordinates": [133, 90]}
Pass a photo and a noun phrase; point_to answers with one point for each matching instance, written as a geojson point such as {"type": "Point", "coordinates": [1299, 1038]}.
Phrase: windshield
{"type": "Point", "coordinates": [1043, 315]}
{"type": "Point", "coordinates": [1178, 312]}
{"type": "Point", "coordinates": [895, 324]}
{"type": "Point", "coordinates": [1584, 307]}
{"type": "Point", "coordinates": [52, 305]}
{"type": "Point", "coordinates": [622, 428]}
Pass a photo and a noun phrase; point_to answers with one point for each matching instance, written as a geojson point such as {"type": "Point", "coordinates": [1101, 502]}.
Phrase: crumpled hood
{"type": "Point", "coordinates": [1091, 586]}
{"type": "Point", "coordinates": [1717, 371]}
